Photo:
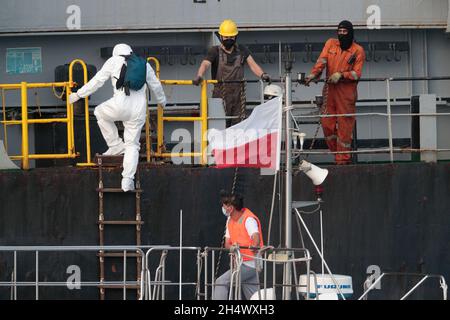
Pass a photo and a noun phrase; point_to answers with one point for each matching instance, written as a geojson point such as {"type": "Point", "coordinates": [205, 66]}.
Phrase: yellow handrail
{"type": "Point", "coordinates": [204, 115]}
{"type": "Point", "coordinates": [157, 65]}
{"type": "Point", "coordinates": [203, 119]}
{"type": "Point", "coordinates": [15, 86]}
{"type": "Point", "coordinates": [148, 142]}
{"type": "Point", "coordinates": [24, 108]}
{"type": "Point", "coordinates": [86, 112]}
{"type": "Point", "coordinates": [5, 130]}
{"type": "Point", "coordinates": [45, 156]}
{"type": "Point", "coordinates": [33, 121]}
{"type": "Point", "coordinates": [25, 122]}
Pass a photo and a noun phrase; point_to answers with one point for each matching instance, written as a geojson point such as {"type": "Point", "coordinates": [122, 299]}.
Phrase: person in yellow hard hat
{"type": "Point", "coordinates": [227, 62]}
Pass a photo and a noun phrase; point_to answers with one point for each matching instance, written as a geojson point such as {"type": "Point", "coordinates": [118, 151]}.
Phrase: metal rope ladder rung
{"type": "Point", "coordinates": [104, 162]}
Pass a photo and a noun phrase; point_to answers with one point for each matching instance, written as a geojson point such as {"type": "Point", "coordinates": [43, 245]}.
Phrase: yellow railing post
{"type": "Point", "coordinates": [86, 111]}
{"type": "Point", "coordinates": [147, 131]}
{"type": "Point", "coordinates": [24, 104]}
{"type": "Point", "coordinates": [70, 131]}
{"type": "Point", "coordinates": [204, 116]}
{"type": "Point", "coordinates": [157, 65]}
{"type": "Point", "coordinates": [159, 115]}
{"type": "Point", "coordinates": [147, 121]}
{"type": "Point", "coordinates": [5, 129]}
{"type": "Point", "coordinates": [160, 129]}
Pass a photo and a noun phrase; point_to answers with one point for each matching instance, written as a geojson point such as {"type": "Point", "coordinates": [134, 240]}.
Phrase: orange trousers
{"type": "Point", "coordinates": [341, 99]}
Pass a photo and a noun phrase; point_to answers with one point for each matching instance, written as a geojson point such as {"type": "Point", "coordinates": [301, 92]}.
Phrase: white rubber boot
{"type": "Point", "coordinates": [127, 184]}
{"type": "Point", "coordinates": [115, 151]}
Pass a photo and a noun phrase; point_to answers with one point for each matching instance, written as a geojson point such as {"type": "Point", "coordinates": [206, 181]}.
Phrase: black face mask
{"type": "Point", "coordinates": [228, 43]}
{"type": "Point", "coordinates": [346, 40]}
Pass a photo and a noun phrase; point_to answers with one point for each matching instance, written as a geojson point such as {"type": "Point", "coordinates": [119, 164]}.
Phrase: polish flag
{"type": "Point", "coordinates": [252, 143]}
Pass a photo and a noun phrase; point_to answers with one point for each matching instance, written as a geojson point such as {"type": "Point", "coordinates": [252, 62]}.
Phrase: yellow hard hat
{"type": "Point", "coordinates": [228, 28]}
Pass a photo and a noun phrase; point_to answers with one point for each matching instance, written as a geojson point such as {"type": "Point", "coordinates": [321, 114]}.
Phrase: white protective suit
{"type": "Point", "coordinates": [131, 110]}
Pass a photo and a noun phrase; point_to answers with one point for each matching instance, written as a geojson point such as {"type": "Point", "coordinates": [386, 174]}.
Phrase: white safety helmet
{"type": "Point", "coordinates": [122, 49]}
{"type": "Point", "coordinates": [272, 90]}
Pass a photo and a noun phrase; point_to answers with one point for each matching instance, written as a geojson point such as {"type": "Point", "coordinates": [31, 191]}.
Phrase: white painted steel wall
{"type": "Point", "coordinates": [50, 15]}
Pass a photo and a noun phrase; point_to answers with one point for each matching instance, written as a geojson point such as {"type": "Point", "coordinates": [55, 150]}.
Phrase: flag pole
{"type": "Point", "coordinates": [288, 187]}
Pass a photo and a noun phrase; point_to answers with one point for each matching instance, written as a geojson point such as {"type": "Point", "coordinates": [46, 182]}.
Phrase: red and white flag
{"type": "Point", "coordinates": [254, 142]}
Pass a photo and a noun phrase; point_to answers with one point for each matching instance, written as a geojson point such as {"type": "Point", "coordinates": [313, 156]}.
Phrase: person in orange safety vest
{"type": "Point", "coordinates": [344, 59]}
{"type": "Point", "coordinates": [243, 230]}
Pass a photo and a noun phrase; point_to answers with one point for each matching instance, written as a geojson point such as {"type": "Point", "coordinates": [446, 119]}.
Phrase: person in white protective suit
{"type": "Point", "coordinates": [131, 110]}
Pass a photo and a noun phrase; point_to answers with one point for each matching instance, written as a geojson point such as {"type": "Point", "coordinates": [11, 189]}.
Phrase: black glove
{"type": "Point", "coordinates": [197, 80]}
{"type": "Point", "coordinates": [310, 78]}
{"type": "Point", "coordinates": [254, 249]}
{"type": "Point", "coordinates": [266, 78]}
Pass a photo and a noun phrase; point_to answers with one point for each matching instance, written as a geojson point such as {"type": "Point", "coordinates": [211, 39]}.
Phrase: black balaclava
{"type": "Point", "coordinates": [346, 40]}
{"type": "Point", "coordinates": [228, 43]}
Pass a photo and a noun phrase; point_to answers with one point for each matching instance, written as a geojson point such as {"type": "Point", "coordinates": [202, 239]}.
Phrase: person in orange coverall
{"type": "Point", "coordinates": [344, 60]}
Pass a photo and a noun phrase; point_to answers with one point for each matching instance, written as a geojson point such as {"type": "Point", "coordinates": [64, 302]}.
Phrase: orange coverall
{"type": "Point", "coordinates": [341, 97]}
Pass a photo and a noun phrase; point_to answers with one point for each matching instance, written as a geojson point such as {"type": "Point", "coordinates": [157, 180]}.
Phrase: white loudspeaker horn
{"type": "Point", "coordinates": [316, 174]}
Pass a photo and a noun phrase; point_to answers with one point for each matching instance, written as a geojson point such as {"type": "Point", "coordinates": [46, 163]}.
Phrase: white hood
{"type": "Point", "coordinates": [122, 49]}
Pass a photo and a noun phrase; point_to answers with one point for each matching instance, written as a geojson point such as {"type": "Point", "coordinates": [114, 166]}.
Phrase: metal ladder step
{"type": "Point", "coordinates": [131, 222]}
{"type": "Point", "coordinates": [108, 161]}
{"type": "Point", "coordinates": [119, 286]}
{"type": "Point", "coordinates": [119, 255]}
{"type": "Point", "coordinates": [112, 158]}
{"type": "Point", "coordinates": [117, 190]}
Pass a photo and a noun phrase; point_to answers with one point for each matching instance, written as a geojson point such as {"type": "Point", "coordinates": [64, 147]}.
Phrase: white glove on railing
{"type": "Point", "coordinates": [74, 97]}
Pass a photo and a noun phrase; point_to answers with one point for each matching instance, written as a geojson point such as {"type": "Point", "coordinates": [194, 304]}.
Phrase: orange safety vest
{"type": "Point", "coordinates": [238, 233]}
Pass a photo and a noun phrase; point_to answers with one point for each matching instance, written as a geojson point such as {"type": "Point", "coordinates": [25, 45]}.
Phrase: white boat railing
{"type": "Point", "coordinates": [423, 278]}
{"type": "Point", "coordinates": [268, 259]}
{"type": "Point", "coordinates": [276, 258]}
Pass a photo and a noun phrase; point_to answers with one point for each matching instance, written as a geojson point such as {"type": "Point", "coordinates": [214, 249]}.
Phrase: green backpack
{"type": "Point", "coordinates": [133, 75]}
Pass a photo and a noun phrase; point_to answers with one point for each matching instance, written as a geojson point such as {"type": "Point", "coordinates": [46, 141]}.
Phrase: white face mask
{"type": "Point", "coordinates": [225, 213]}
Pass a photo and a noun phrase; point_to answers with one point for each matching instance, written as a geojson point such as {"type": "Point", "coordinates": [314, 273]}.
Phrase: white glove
{"type": "Point", "coordinates": [74, 97]}
{"type": "Point", "coordinates": [234, 247]}
{"type": "Point", "coordinates": [335, 77]}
